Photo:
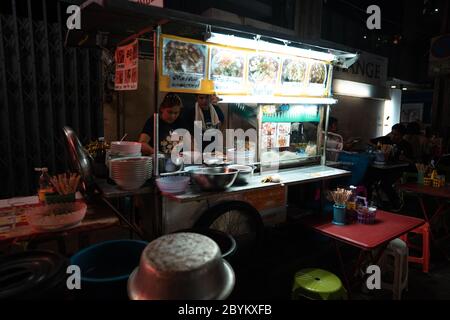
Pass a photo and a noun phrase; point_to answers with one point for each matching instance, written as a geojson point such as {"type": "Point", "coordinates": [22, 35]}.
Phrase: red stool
{"type": "Point", "coordinates": [424, 260]}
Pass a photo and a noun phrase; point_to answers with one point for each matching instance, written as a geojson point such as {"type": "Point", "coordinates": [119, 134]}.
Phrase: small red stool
{"type": "Point", "coordinates": [424, 260]}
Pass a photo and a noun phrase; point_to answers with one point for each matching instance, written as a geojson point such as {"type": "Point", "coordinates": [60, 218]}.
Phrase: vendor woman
{"type": "Point", "coordinates": [169, 120]}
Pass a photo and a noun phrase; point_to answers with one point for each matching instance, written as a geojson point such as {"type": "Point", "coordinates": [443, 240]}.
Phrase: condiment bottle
{"type": "Point", "coordinates": [45, 185]}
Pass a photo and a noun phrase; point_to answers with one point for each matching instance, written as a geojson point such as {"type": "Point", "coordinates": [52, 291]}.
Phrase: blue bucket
{"type": "Point", "coordinates": [106, 266]}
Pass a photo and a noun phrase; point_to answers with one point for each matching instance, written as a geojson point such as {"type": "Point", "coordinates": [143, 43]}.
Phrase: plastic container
{"type": "Point", "coordinates": [56, 217]}
{"type": "Point", "coordinates": [105, 268]}
{"type": "Point", "coordinates": [420, 177]}
{"type": "Point", "coordinates": [339, 214]}
{"type": "Point", "coordinates": [367, 215]}
{"type": "Point", "coordinates": [51, 198]}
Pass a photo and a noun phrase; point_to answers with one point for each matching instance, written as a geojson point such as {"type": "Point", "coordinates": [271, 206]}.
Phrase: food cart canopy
{"type": "Point", "coordinates": [107, 23]}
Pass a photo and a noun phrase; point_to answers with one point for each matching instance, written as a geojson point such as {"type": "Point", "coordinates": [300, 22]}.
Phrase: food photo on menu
{"type": "Point", "coordinates": [263, 69]}
{"type": "Point", "coordinates": [283, 135]}
{"type": "Point", "coordinates": [227, 63]}
{"type": "Point", "coordinates": [183, 57]}
{"type": "Point", "coordinates": [318, 73]}
{"type": "Point", "coordinates": [293, 71]}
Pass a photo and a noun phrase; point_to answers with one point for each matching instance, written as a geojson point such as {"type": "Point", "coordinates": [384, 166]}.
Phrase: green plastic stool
{"type": "Point", "coordinates": [318, 284]}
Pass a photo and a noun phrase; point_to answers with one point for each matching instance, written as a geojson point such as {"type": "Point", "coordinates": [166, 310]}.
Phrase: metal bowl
{"type": "Point", "coordinates": [215, 178]}
{"type": "Point", "coordinates": [181, 266]}
{"type": "Point", "coordinates": [244, 175]}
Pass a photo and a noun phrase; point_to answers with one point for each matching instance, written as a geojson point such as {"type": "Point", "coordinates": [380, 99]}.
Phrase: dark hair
{"type": "Point", "coordinates": [332, 121]}
{"type": "Point", "coordinates": [171, 100]}
{"type": "Point", "coordinates": [400, 128]}
{"type": "Point", "coordinates": [413, 128]}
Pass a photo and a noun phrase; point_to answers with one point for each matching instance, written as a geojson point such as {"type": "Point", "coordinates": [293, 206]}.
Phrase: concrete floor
{"type": "Point", "coordinates": [289, 248]}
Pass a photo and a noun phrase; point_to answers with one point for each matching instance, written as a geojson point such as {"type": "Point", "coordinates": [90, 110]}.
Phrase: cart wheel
{"type": "Point", "coordinates": [238, 219]}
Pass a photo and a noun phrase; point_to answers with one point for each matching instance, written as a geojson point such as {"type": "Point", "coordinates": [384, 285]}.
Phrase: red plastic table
{"type": "Point", "coordinates": [442, 197]}
{"type": "Point", "coordinates": [367, 237]}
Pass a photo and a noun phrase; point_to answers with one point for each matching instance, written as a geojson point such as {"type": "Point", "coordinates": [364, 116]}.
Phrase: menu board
{"type": "Point", "coordinates": [283, 135]}
{"type": "Point", "coordinates": [226, 69]}
{"type": "Point", "coordinates": [263, 73]}
{"type": "Point", "coordinates": [269, 135]}
{"type": "Point", "coordinates": [184, 63]}
{"type": "Point", "coordinates": [276, 135]}
{"type": "Point", "coordinates": [126, 76]}
{"type": "Point", "coordinates": [194, 66]}
{"type": "Point", "coordinates": [293, 75]}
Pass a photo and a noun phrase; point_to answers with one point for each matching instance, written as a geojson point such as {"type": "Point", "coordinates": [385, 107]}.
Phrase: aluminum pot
{"type": "Point", "coordinates": [214, 178]}
{"type": "Point", "coordinates": [181, 266]}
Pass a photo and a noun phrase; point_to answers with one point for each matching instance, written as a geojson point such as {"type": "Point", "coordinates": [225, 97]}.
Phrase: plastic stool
{"type": "Point", "coordinates": [318, 284]}
{"type": "Point", "coordinates": [394, 265]}
{"type": "Point", "coordinates": [424, 260]}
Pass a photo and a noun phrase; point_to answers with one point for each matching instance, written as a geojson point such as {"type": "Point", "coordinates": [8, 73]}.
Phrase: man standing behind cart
{"type": "Point", "coordinates": [205, 112]}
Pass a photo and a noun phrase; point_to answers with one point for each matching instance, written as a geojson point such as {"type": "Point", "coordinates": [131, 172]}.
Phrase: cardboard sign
{"type": "Point", "coordinates": [127, 67]}
{"type": "Point", "coordinates": [185, 81]}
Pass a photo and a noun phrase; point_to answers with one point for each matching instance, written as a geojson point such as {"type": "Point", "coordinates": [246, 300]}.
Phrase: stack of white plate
{"type": "Point", "coordinates": [132, 172]}
{"type": "Point", "coordinates": [125, 148]}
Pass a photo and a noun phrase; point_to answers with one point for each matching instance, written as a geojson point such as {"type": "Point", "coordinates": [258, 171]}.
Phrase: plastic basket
{"type": "Point", "coordinates": [366, 216]}
{"type": "Point", "coordinates": [57, 198]}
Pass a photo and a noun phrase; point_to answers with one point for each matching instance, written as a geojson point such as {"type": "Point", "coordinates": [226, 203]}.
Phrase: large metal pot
{"type": "Point", "coordinates": [214, 178]}
{"type": "Point", "coordinates": [181, 266]}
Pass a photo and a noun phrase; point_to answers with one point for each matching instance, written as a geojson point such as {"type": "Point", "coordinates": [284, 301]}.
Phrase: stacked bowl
{"type": "Point", "coordinates": [125, 148]}
{"type": "Point", "coordinates": [132, 172]}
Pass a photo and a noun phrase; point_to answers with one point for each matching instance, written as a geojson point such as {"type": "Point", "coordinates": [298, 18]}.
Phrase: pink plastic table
{"type": "Point", "coordinates": [442, 198]}
{"type": "Point", "coordinates": [367, 237]}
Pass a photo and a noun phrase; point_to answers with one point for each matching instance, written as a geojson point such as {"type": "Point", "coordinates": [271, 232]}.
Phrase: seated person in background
{"type": "Point", "coordinates": [169, 121]}
{"type": "Point", "coordinates": [335, 140]}
{"type": "Point", "coordinates": [396, 137]}
{"type": "Point", "coordinates": [421, 149]}
{"type": "Point", "coordinates": [402, 152]}
{"type": "Point", "coordinates": [387, 139]}
{"type": "Point", "coordinates": [333, 125]}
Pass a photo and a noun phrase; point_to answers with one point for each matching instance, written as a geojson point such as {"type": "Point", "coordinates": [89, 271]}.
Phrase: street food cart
{"type": "Point", "coordinates": [268, 83]}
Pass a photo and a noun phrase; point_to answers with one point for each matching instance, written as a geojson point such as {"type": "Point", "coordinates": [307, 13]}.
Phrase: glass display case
{"type": "Point", "coordinates": [287, 134]}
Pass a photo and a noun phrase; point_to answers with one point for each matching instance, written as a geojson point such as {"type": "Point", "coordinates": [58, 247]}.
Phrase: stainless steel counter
{"type": "Point", "coordinates": [110, 191]}
{"type": "Point", "coordinates": [288, 177]}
